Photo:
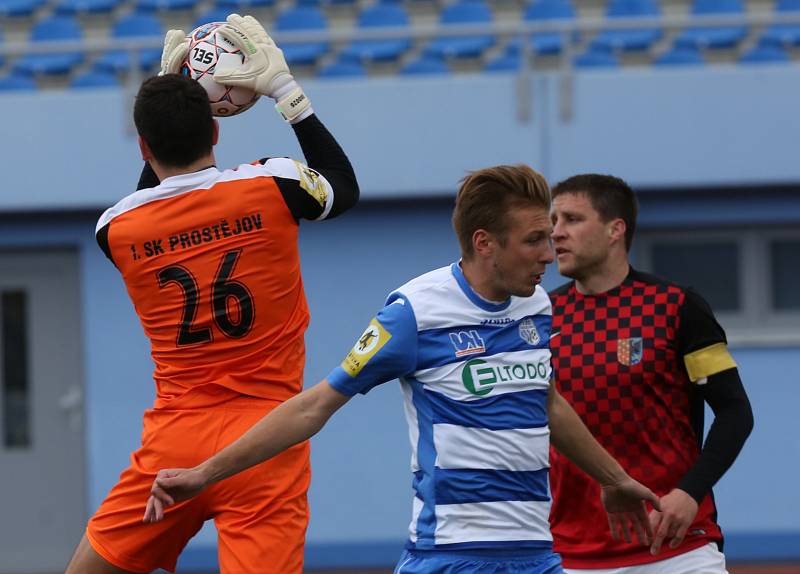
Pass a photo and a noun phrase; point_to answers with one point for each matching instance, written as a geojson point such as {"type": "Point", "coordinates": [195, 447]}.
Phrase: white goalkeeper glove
{"type": "Point", "coordinates": [264, 69]}
{"type": "Point", "coordinates": [176, 46]}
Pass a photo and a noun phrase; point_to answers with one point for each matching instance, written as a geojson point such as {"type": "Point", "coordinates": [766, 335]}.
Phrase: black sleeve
{"type": "Point", "coordinates": [733, 421]}
{"type": "Point", "coordinates": [325, 156]}
{"type": "Point", "coordinates": [148, 178]}
{"type": "Point", "coordinates": [697, 326]}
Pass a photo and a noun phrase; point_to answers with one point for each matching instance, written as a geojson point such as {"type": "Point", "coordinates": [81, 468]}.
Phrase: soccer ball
{"type": "Point", "coordinates": [207, 50]}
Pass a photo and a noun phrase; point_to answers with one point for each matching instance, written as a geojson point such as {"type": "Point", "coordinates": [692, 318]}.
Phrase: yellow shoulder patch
{"type": "Point", "coordinates": [370, 342]}
{"type": "Point", "coordinates": [708, 361]}
{"type": "Point", "coordinates": [312, 183]}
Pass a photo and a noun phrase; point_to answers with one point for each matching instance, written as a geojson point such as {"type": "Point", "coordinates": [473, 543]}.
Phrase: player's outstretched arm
{"type": "Point", "coordinates": [265, 71]}
{"type": "Point", "coordinates": [623, 497]}
{"type": "Point", "coordinates": [292, 422]}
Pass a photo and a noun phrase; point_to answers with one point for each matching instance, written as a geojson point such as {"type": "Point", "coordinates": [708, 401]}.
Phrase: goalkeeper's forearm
{"type": "Point", "coordinates": [292, 422]}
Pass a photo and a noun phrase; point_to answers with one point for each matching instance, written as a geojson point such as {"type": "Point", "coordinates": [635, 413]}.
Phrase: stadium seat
{"type": "Point", "coordinates": [630, 40]}
{"type": "Point", "coordinates": [714, 36]}
{"type": "Point", "coordinates": [543, 10]}
{"type": "Point", "coordinates": [462, 13]}
{"type": "Point", "coordinates": [239, 6]}
{"type": "Point", "coordinates": [508, 61]}
{"type": "Point", "coordinates": [425, 66]}
{"type": "Point", "coordinates": [87, 6]}
{"type": "Point", "coordinates": [680, 56]}
{"type": "Point", "coordinates": [596, 58]}
{"type": "Point", "coordinates": [343, 69]}
{"type": "Point", "coordinates": [165, 5]}
{"type": "Point", "coordinates": [765, 52]}
{"type": "Point", "coordinates": [21, 8]}
{"type": "Point", "coordinates": [52, 29]}
{"type": "Point", "coordinates": [135, 25]}
{"type": "Point", "coordinates": [380, 16]}
{"type": "Point", "coordinates": [94, 79]}
{"type": "Point", "coordinates": [784, 34]}
{"type": "Point", "coordinates": [2, 58]}
{"type": "Point", "coordinates": [321, 2]}
{"type": "Point", "coordinates": [299, 19]}
{"type": "Point", "coordinates": [217, 14]}
{"type": "Point", "coordinates": [14, 82]}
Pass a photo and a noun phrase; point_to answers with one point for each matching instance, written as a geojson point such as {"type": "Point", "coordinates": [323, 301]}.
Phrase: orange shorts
{"type": "Point", "coordinates": [261, 514]}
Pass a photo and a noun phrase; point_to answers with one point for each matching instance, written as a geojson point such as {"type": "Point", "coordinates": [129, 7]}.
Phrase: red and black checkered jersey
{"type": "Point", "coordinates": [628, 361]}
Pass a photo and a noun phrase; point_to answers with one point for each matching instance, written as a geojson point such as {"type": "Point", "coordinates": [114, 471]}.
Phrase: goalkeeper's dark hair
{"type": "Point", "coordinates": [610, 197]}
{"type": "Point", "coordinates": [487, 196]}
{"type": "Point", "coordinates": [173, 116]}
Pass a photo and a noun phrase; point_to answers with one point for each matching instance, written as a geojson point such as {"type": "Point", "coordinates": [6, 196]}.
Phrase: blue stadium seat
{"type": "Point", "coordinates": [765, 52]}
{"type": "Point", "coordinates": [94, 79]}
{"type": "Point", "coordinates": [714, 36]}
{"type": "Point", "coordinates": [54, 28]}
{"type": "Point", "coordinates": [239, 6]}
{"type": "Point", "coordinates": [14, 82]}
{"type": "Point", "coordinates": [630, 40]}
{"type": "Point", "coordinates": [135, 25]}
{"type": "Point", "coordinates": [321, 2]}
{"type": "Point", "coordinates": [785, 34]}
{"type": "Point", "coordinates": [543, 10]}
{"type": "Point", "coordinates": [86, 6]}
{"type": "Point", "coordinates": [596, 58]}
{"type": "Point", "coordinates": [19, 7]}
{"type": "Point", "coordinates": [681, 56]}
{"type": "Point", "coordinates": [343, 69]}
{"type": "Point", "coordinates": [380, 16]}
{"type": "Point", "coordinates": [461, 13]}
{"type": "Point", "coordinates": [217, 14]}
{"type": "Point", "coordinates": [165, 5]}
{"type": "Point", "coordinates": [302, 18]}
{"type": "Point", "coordinates": [2, 58]}
{"type": "Point", "coordinates": [508, 61]}
{"type": "Point", "coordinates": [425, 66]}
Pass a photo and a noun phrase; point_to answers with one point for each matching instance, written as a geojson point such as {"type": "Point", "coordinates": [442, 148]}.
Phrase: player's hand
{"type": "Point", "coordinates": [678, 510]}
{"type": "Point", "coordinates": [176, 46]}
{"type": "Point", "coordinates": [264, 69]}
{"type": "Point", "coordinates": [625, 505]}
{"type": "Point", "coordinates": [171, 486]}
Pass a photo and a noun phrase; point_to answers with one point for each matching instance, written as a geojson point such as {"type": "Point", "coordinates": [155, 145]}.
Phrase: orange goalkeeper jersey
{"type": "Point", "coordinates": [211, 262]}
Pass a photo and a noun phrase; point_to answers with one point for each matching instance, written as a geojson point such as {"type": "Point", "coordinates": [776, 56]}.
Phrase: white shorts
{"type": "Point", "coordinates": [704, 560]}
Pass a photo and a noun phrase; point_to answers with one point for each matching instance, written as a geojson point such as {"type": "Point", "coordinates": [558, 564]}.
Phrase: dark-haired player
{"type": "Point", "coordinates": [637, 357]}
{"type": "Point", "coordinates": [211, 262]}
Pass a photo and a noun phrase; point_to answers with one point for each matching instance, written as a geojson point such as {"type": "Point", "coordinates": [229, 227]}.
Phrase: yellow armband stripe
{"type": "Point", "coordinates": [708, 361]}
{"type": "Point", "coordinates": [370, 342]}
{"type": "Point", "coordinates": [311, 183]}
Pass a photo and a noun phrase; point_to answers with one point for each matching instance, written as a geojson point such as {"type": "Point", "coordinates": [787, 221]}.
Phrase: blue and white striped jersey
{"type": "Point", "coordinates": [475, 377]}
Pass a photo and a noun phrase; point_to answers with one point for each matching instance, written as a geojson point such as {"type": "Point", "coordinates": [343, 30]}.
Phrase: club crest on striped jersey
{"type": "Point", "coordinates": [629, 351]}
{"type": "Point", "coordinates": [467, 343]}
{"type": "Point", "coordinates": [528, 332]}
{"type": "Point", "coordinates": [370, 342]}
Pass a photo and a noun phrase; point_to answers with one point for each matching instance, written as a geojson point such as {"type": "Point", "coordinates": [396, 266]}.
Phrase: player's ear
{"type": "Point", "coordinates": [147, 155]}
{"type": "Point", "coordinates": [216, 132]}
{"type": "Point", "coordinates": [616, 230]}
{"type": "Point", "coordinates": [482, 242]}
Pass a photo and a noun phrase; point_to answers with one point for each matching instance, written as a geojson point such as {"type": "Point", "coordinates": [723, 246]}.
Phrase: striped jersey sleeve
{"type": "Point", "coordinates": [386, 350]}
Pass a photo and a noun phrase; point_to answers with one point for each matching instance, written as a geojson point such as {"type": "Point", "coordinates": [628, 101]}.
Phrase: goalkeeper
{"type": "Point", "coordinates": [210, 259]}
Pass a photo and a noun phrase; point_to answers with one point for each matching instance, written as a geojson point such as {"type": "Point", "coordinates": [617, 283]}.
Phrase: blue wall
{"type": "Point", "coordinates": [708, 127]}
{"type": "Point", "coordinates": [412, 137]}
